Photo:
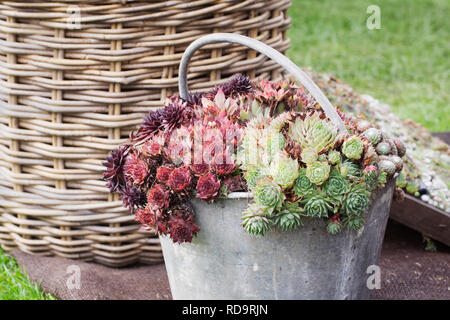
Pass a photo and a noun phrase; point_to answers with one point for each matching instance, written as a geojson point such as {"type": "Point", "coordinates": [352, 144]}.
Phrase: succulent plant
{"type": "Point", "coordinates": [382, 179]}
{"type": "Point", "coordinates": [284, 171]}
{"type": "Point", "coordinates": [182, 229]}
{"type": "Point", "coordinates": [353, 148]}
{"type": "Point", "coordinates": [268, 195]}
{"type": "Point", "coordinates": [163, 173]}
{"type": "Point", "coordinates": [356, 200]}
{"type": "Point", "coordinates": [145, 216]}
{"type": "Point", "coordinates": [412, 187]}
{"type": "Point", "coordinates": [352, 170]}
{"type": "Point", "coordinates": [289, 217]}
{"type": "Point", "coordinates": [207, 186]}
{"type": "Point", "coordinates": [353, 221]}
{"type": "Point", "coordinates": [275, 142]}
{"type": "Point", "coordinates": [334, 224]}
{"type": "Point", "coordinates": [179, 179]}
{"type": "Point", "coordinates": [303, 186]}
{"type": "Point", "coordinates": [309, 155]}
{"type": "Point", "coordinates": [383, 148]}
{"type": "Point", "coordinates": [255, 221]}
{"type": "Point", "coordinates": [252, 175]}
{"type": "Point", "coordinates": [317, 205]}
{"type": "Point", "coordinates": [113, 175]}
{"type": "Point", "coordinates": [387, 166]}
{"type": "Point", "coordinates": [401, 149]}
{"type": "Point", "coordinates": [401, 180]}
{"type": "Point", "coordinates": [318, 172]}
{"type": "Point", "coordinates": [363, 125]}
{"type": "Point", "coordinates": [158, 197]}
{"type": "Point", "coordinates": [135, 169]}
{"type": "Point", "coordinates": [370, 175]}
{"type": "Point", "coordinates": [237, 85]}
{"type": "Point", "coordinates": [334, 157]}
{"type": "Point", "coordinates": [336, 186]}
{"type": "Point", "coordinates": [398, 162]}
{"type": "Point", "coordinates": [314, 132]}
{"type": "Point", "coordinates": [373, 135]}
{"type": "Point", "coordinates": [133, 197]}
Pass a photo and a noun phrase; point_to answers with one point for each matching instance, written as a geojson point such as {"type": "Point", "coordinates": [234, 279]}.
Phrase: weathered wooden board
{"type": "Point", "coordinates": [420, 216]}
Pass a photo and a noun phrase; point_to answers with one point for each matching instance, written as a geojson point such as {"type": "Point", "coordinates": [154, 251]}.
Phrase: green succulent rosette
{"type": "Point", "coordinates": [334, 226]}
{"type": "Point", "coordinates": [268, 195]}
{"type": "Point", "coordinates": [289, 217]}
{"type": "Point", "coordinates": [255, 220]}
{"type": "Point", "coordinates": [353, 148]}
{"type": "Point", "coordinates": [401, 180]}
{"type": "Point", "coordinates": [314, 132]}
{"type": "Point", "coordinates": [318, 205]}
{"type": "Point", "coordinates": [309, 155]}
{"type": "Point", "coordinates": [356, 201]}
{"type": "Point", "coordinates": [318, 172]}
{"type": "Point", "coordinates": [350, 169]}
{"type": "Point", "coordinates": [284, 170]}
{"type": "Point", "coordinates": [336, 186]}
{"type": "Point", "coordinates": [302, 186]}
{"type": "Point", "coordinates": [382, 179]}
{"type": "Point", "coordinates": [353, 221]}
{"type": "Point", "coordinates": [334, 156]}
{"type": "Point", "coordinates": [373, 135]}
{"type": "Point", "coordinates": [252, 175]}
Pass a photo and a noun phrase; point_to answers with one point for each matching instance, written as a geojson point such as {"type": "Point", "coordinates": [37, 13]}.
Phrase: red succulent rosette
{"type": "Point", "coordinates": [135, 169]}
{"type": "Point", "coordinates": [158, 197]}
{"type": "Point", "coordinates": [207, 186]}
{"type": "Point", "coordinates": [200, 169]}
{"type": "Point", "coordinates": [152, 148]}
{"type": "Point", "coordinates": [233, 183]}
{"type": "Point", "coordinates": [163, 173]}
{"type": "Point", "coordinates": [182, 229]}
{"type": "Point", "coordinates": [179, 179]}
{"type": "Point", "coordinates": [145, 216]}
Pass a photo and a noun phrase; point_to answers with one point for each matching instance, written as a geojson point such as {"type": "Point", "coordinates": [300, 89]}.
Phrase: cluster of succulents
{"type": "Point", "coordinates": [268, 138]}
{"type": "Point", "coordinates": [157, 170]}
{"type": "Point", "coordinates": [298, 165]}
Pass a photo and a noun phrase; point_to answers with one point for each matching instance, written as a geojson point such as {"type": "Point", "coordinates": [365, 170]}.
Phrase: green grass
{"type": "Point", "coordinates": [406, 63]}
{"type": "Point", "coordinates": [15, 285]}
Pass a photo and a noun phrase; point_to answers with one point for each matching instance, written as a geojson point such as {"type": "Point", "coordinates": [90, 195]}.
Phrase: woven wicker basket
{"type": "Point", "coordinates": [75, 78]}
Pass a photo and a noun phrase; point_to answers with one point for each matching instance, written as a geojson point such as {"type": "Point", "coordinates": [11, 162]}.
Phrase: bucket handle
{"type": "Point", "coordinates": [270, 52]}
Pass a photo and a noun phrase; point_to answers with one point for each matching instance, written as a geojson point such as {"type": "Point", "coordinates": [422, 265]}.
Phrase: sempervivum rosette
{"type": "Point", "coordinates": [284, 171]}
{"type": "Point", "coordinates": [268, 195]}
{"type": "Point", "coordinates": [317, 205]}
{"type": "Point", "coordinates": [318, 172]}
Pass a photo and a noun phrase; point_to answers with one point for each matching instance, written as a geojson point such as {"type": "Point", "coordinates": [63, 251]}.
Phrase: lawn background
{"type": "Point", "coordinates": [406, 64]}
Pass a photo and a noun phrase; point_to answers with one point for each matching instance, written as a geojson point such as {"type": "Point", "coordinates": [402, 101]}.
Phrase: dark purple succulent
{"type": "Point", "coordinates": [181, 229]}
{"type": "Point", "coordinates": [113, 175]}
{"type": "Point", "coordinates": [237, 85]}
{"type": "Point", "coordinates": [132, 197]}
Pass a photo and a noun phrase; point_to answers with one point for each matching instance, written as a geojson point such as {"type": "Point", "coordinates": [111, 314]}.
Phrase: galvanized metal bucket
{"type": "Point", "coordinates": [225, 262]}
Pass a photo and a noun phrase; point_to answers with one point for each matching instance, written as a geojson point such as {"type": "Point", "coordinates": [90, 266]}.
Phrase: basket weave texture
{"type": "Point", "coordinates": [75, 79]}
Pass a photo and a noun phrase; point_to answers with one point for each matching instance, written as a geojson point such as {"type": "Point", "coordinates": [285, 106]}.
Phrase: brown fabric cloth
{"type": "Point", "coordinates": [408, 272]}
{"type": "Point", "coordinates": [97, 282]}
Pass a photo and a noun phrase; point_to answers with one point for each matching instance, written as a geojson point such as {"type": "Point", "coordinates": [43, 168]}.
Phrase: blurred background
{"type": "Point", "coordinates": [405, 63]}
